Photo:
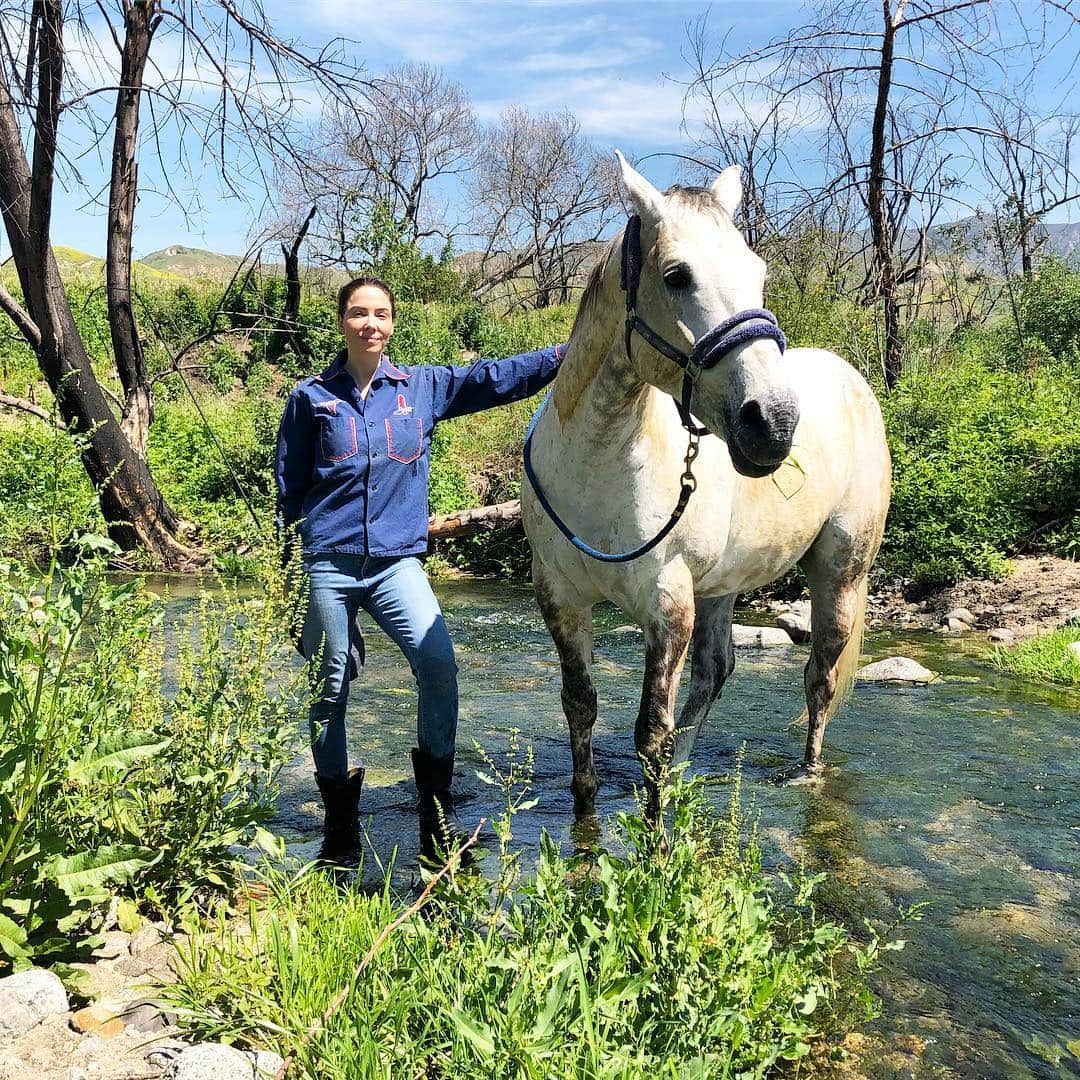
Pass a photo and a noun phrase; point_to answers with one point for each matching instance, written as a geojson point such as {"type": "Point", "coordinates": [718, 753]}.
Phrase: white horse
{"type": "Point", "coordinates": [792, 467]}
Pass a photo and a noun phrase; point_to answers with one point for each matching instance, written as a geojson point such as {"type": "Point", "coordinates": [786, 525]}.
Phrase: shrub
{"type": "Point", "coordinates": [107, 787]}
{"type": "Point", "coordinates": [984, 461]}
{"type": "Point", "coordinates": [46, 497]}
{"type": "Point", "coordinates": [675, 963]}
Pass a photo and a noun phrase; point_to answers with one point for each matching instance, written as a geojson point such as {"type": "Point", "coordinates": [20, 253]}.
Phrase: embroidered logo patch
{"type": "Point", "coordinates": [402, 409]}
{"type": "Point", "coordinates": [330, 406]}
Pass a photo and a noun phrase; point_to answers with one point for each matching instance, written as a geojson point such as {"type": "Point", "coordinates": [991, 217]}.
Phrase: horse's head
{"type": "Point", "coordinates": [696, 273]}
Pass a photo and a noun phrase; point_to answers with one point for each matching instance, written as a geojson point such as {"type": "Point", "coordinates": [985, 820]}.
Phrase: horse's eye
{"type": "Point", "coordinates": [678, 277]}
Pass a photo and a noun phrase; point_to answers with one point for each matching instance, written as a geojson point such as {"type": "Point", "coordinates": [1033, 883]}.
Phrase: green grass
{"type": "Point", "coordinates": [1045, 657]}
{"type": "Point", "coordinates": [690, 962]}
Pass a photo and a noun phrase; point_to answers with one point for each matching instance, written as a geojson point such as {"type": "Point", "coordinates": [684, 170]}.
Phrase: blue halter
{"type": "Point", "coordinates": [708, 351]}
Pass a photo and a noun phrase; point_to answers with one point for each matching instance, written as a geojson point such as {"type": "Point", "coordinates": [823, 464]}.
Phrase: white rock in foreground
{"type": "Point", "coordinates": [758, 637]}
{"type": "Point", "coordinates": [1002, 635]}
{"type": "Point", "coordinates": [1074, 648]}
{"type": "Point", "coordinates": [896, 669]}
{"type": "Point", "coordinates": [215, 1061]}
{"type": "Point", "coordinates": [27, 998]}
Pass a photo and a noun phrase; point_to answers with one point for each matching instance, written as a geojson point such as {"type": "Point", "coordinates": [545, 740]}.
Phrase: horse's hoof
{"type": "Point", "coordinates": [800, 775]}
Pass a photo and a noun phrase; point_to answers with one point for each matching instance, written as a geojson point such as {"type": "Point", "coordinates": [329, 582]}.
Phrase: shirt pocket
{"type": "Point", "coordinates": [338, 437]}
{"type": "Point", "coordinates": [404, 438]}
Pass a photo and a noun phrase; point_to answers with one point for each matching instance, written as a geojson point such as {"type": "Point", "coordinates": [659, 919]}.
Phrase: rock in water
{"type": "Point", "coordinates": [896, 669]}
{"type": "Point", "coordinates": [758, 637]}
{"type": "Point", "coordinates": [960, 614]}
{"type": "Point", "coordinates": [796, 624]}
{"type": "Point", "coordinates": [27, 998]}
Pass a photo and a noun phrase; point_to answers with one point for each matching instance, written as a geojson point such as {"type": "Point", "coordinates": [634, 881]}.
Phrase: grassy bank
{"type": "Point", "coordinates": [1046, 657]}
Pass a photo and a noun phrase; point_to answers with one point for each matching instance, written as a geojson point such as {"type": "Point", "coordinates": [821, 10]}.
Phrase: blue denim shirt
{"type": "Point", "coordinates": [354, 471]}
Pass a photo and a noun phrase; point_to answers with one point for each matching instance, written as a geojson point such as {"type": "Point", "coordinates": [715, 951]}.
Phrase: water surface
{"type": "Point", "coordinates": [964, 794]}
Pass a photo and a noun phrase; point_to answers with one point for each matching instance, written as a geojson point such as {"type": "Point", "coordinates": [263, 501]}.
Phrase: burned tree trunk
{"type": "Point", "coordinates": [286, 332]}
{"type": "Point", "coordinates": [880, 225]}
{"type": "Point", "coordinates": [135, 510]}
{"type": "Point", "coordinates": [140, 22]}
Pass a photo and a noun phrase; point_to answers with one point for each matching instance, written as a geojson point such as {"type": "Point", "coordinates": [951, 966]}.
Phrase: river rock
{"type": "Point", "coordinates": [1002, 635]}
{"type": "Point", "coordinates": [215, 1061]}
{"type": "Point", "coordinates": [1072, 619]}
{"type": "Point", "coordinates": [145, 939]}
{"type": "Point", "coordinates": [1074, 649]}
{"type": "Point", "coordinates": [97, 1020]}
{"type": "Point", "coordinates": [27, 998]}
{"type": "Point", "coordinates": [758, 637]}
{"type": "Point", "coordinates": [959, 614]}
{"type": "Point", "coordinates": [796, 623]}
{"type": "Point", "coordinates": [117, 943]}
{"type": "Point", "coordinates": [956, 626]}
{"type": "Point", "coordinates": [896, 669]}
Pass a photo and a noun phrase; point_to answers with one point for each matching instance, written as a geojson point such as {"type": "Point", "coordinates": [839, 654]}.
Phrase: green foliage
{"type": "Point", "coordinates": [107, 787]}
{"type": "Point", "coordinates": [195, 478]}
{"type": "Point", "coordinates": [415, 275]}
{"type": "Point", "coordinates": [683, 962]}
{"type": "Point", "coordinates": [1050, 309]}
{"type": "Point", "coordinates": [1045, 657]}
{"type": "Point", "coordinates": [680, 962]}
{"type": "Point", "coordinates": [982, 459]}
{"type": "Point", "coordinates": [45, 495]}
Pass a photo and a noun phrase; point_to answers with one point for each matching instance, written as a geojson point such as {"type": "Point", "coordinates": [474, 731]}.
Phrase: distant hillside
{"type": "Point", "coordinates": [187, 262]}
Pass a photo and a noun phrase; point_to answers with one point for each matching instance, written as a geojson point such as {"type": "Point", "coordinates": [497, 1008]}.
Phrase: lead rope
{"type": "Point", "coordinates": [687, 480]}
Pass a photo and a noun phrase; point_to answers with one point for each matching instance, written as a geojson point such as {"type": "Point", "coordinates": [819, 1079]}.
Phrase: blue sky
{"type": "Point", "coordinates": [616, 64]}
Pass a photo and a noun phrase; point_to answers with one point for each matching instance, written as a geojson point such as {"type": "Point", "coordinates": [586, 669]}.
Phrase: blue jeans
{"type": "Point", "coordinates": [396, 593]}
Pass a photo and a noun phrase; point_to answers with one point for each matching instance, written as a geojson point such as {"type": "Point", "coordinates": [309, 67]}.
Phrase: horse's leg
{"type": "Point", "coordinates": [572, 631]}
{"type": "Point", "coordinates": [838, 608]}
{"type": "Point", "coordinates": [712, 659]}
{"type": "Point", "coordinates": [667, 637]}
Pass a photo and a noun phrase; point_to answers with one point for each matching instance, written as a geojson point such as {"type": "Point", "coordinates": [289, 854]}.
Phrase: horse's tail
{"type": "Point", "coordinates": [847, 666]}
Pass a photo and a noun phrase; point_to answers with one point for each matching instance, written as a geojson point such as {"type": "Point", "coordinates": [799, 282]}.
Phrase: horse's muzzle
{"type": "Point", "coordinates": [761, 434]}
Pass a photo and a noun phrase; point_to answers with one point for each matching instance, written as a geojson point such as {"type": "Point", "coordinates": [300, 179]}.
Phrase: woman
{"type": "Point", "coordinates": [352, 473]}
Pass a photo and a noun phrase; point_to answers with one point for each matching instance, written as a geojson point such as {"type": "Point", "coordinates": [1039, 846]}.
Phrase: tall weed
{"type": "Point", "coordinates": [107, 785]}
{"type": "Point", "coordinates": [687, 962]}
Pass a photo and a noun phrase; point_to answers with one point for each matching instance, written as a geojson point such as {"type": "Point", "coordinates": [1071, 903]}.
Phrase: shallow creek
{"type": "Point", "coordinates": [964, 794]}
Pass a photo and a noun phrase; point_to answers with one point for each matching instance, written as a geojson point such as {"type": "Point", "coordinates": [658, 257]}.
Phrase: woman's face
{"type": "Point", "coordinates": [367, 323]}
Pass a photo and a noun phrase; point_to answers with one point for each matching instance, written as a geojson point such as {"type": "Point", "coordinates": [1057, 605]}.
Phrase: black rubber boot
{"type": "Point", "coordinates": [341, 823]}
{"type": "Point", "coordinates": [440, 832]}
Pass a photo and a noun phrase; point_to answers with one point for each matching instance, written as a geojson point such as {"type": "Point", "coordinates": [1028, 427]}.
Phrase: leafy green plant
{"type": "Point", "coordinates": [685, 962]}
{"type": "Point", "coordinates": [108, 786]}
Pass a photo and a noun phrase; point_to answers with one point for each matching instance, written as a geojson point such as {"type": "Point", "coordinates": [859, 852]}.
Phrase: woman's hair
{"type": "Point", "coordinates": [358, 283]}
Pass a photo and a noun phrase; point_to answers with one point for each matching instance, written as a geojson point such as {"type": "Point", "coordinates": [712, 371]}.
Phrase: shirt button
{"type": "Point", "coordinates": [374, 487]}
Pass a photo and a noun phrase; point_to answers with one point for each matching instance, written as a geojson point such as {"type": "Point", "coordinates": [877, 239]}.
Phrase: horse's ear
{"type": "Point", "coordinates": [727, 188]}
{"type": "Point", "coordinates": [648, 202]}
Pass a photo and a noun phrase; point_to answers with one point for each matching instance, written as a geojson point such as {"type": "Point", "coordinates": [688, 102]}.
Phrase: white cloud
{"type": "Point", "coordinates": [608, 105]}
